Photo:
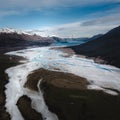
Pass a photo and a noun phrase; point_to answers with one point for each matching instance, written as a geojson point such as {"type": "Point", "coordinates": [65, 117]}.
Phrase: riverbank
{"type": "Point", "coordinates": [71, 52]}
{"type": "Point", "coordinates": [74, 103]}
{"type": "Point", "coordinates": [5, 62]}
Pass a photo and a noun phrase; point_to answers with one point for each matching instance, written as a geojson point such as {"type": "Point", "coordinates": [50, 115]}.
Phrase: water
{"type": "Point", "coordinates": [70, 43]}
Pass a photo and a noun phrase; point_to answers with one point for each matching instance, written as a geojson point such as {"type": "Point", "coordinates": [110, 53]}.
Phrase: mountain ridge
{"type": "Point", "coordinates": [105, 47]}
{"type": "Point", "coordinates": [12, 40]}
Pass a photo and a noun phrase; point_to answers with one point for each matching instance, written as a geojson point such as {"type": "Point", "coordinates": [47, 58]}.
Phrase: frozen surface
{"type": "Point", "coordinates": [15, 89]}
{"type": "Point", "coordinates": [100, 77]}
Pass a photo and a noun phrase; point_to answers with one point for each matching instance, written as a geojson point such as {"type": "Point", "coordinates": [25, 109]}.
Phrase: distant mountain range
{"type": "Point", "coordinates": [105, 47]}
{"type": "Point", "coordinates": [11, 39]}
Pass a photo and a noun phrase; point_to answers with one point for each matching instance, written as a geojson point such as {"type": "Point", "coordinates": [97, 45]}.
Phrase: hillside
{"type": "Point", "coordinates": [105, 47]}
{"type": "Point", "coordinates": [12, 40]}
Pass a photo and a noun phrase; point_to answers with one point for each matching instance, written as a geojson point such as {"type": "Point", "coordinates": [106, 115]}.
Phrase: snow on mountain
{"type": "Point", "coordinates": [11, 30]}
{"type": "Point", "coordinates": [11, 39]}
{"type": "Point", "coordinates": [28, 32]}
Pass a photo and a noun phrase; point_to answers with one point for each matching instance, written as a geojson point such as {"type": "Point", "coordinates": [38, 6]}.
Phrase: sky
{"type": "Point", "coordinates": [62, 18]}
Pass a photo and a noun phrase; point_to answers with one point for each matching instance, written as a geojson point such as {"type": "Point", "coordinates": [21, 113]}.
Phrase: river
{"type": "Point", "coordinates": [100, 77]}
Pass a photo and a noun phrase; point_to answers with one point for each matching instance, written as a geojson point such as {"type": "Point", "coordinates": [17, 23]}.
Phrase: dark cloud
{"type": "Point", "coordinates": [60, 29]}
{"type": "Point", "coordinates": [113, 19]}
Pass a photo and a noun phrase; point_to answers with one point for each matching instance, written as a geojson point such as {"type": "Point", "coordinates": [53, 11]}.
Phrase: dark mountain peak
{"type": "Point", "coordinates": [96, 36]}
{"type": "Point", "coordinates": [113, 33]}
{"type": "Point", "coordinates": [115, 30]}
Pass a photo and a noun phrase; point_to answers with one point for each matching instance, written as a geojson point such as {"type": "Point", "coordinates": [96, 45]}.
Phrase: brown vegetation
{"type": "Point", "coordinates": [58, 79]}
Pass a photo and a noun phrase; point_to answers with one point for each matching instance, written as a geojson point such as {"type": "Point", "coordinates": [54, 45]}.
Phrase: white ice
{"type": "Point", "coordinates": [15, 89]}
{"type": "Point", "coordinates": [100, 77]}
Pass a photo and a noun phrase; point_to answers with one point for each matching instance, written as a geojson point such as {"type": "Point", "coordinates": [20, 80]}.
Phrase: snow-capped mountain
{"type": "Point", "coordinates": [10, 38]}
{"type": "Point", "coordinates": [28, 32]}
{"type": "Point", "coordinates": [11, 30]}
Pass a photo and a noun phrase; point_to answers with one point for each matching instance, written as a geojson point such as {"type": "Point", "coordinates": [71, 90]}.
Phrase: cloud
{"type": "Point", "coordinates": [108, 17]}
{"type": "Point", "coordinates": [84, 28]}
{"type": "Point", "coordinates": [77, 32]}
{"type": "Point", "coordinates": [7, 13]}
{"type": "Point", "coordinates": [25, 6]}
{"type": "Point", "coordinates": [108, 20]}
{"type": "Point", "coordinates": [80, 31]}
{"type": "Point", "coordinates": [91, 25]}
{"type": "Point", "coordinates": [49, 3]}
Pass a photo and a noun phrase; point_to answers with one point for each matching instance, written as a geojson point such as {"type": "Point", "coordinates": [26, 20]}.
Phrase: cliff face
{"type": "Point", "coordinates": [106, 47]}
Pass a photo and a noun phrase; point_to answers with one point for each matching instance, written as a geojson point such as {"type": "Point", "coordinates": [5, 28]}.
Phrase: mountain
{"type": "Point", "coordinates": [11, 39]}
{"type": "Point", "coordinates": [105, 47]}
{"type": "Point", "coordinates": [95, 37]}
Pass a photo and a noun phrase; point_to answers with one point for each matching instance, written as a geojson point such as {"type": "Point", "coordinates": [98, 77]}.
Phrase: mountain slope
{"type": "Point", "coordinates": [10, 40]}
{"type": "Point", "coordinates": [105, 47]}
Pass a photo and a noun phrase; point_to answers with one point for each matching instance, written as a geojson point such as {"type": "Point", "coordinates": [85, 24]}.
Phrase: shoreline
{"type": "Point", "coordinates": [71, 52]}
{"type": "Point", "coordinates": [97, 58]}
